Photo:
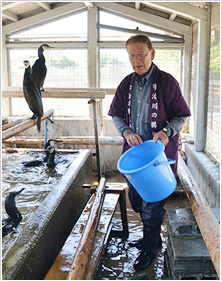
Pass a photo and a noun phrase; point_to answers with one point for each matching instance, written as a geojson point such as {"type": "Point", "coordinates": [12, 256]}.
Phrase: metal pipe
{"type": "Point", "coordinates": [206, 220]}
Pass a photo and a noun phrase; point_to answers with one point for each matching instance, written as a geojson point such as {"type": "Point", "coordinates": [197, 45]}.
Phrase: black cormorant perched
{"type": "Point", "coordinates": [9, 224]}
{"type": "Point", "coordinates": [51, 160]}
{"type": "Point", "coordinates": [39, 69]}
{"type": "Point", "coordinates": [32, 95]}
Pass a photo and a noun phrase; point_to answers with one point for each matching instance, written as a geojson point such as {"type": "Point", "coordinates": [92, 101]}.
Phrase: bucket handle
{"type": "Point", "coordinates": [169, 161]}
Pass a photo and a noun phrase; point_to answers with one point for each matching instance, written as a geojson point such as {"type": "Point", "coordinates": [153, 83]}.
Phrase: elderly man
{"type": "Point", "coordinates": [148, 104]}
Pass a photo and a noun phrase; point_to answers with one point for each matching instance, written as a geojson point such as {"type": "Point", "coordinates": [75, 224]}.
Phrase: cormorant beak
{"type": "Point", "coordinates": [21, 190]}
{"type": "Point", "coordinates": [48, 47]}
{"type": "Point", "coordinates": [18, 192]}
{"type": "Point", "coordinates": [58, 141]}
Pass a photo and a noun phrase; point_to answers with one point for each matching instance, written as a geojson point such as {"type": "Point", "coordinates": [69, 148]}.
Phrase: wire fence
{"type": "Point", "coordinates": [213, 121]}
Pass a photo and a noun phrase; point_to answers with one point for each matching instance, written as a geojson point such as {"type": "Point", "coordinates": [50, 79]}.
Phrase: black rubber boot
{"type": "Point", "coordinates": [150, 240]}
{"type": "Point", "coordinates": [140, 243]}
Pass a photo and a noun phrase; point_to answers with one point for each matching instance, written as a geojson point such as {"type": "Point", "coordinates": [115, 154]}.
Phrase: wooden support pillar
{"type": "Point", "coordinates": [122, 202]}
{"type": "Point", "coordinates": [93, 102]}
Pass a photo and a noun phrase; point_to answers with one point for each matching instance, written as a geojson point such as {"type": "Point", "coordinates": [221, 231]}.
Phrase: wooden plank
{"type": "Point", "coordinates": [23, 126]}
{"type": "Point", "coordinates": [67, 140]}
{"type": "Point", "coordinates": [62, 264]}
{"type": "Point", "coordinates": [17, 92]}
{"type": "Point", "coordinates": [13, 123]}
{"type": "Point", "coordinates": [102, 234]}
{"type": "Point", "coordinates": [81, 258]}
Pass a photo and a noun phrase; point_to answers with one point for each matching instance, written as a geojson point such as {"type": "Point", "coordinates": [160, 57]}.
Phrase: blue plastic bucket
{"type": "Point", "coordinates": [148, 170]}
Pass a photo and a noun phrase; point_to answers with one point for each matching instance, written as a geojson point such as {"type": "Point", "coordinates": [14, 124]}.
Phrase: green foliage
{"type": "Point", "coordinates": [61, 62]}
{"type": "Point", "coordinates": [107, 60]}
{"type": "Point", "coordinates": [215, 62]}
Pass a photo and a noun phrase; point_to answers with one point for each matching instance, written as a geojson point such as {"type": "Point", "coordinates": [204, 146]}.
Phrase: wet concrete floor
{"type": "Point", "coordinates": [117, 262]}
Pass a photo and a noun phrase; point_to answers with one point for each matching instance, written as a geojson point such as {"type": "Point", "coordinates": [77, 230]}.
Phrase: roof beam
{"type": "Point", "coordinates": [172, 16]}
{"type": "Point", "coordinates": [137, 5]}
{"type": "Point", "coordinates": [181, 8]}
{"type": "Point", "coordinates": [43, 17]}
{"type": "Point", "coordinates": [44, 5]}
{"type": "Point", "coordinates": [10, 16]}
{"type": "Point", "coordinates": [166, 38]}
{"type": "Point", "coordinates": [88, 4]}
{"type": "Point", "coordinates": [150, 19]}
{"type": "Point", "coordinates": [8, 5]}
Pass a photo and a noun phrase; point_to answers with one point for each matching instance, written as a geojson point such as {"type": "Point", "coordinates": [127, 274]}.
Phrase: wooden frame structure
{"type": "Point", "coordinates": [202, 16]}
{"type": "Point", "coordinates": [89, 237]}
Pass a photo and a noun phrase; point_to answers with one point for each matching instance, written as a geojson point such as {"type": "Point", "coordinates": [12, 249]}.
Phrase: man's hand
{"type": "Point", "coordinates": [162, 137]}
{"type": "Point", "coordinates": [133, 139]}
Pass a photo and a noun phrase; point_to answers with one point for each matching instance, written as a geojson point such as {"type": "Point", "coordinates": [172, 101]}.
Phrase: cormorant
{"type": "Point", "coordinates": [32, 95]}
{"type": "Point", "coordinates": [33, 163]}
{"type": "Point", "coordinates": [39, 69]}
{"type": "Point", "coordinates": [50, 142]}
{"type": "Point", "coordinates": [51, 160]}
{"type": "Point", "coordinates": [9, 224]}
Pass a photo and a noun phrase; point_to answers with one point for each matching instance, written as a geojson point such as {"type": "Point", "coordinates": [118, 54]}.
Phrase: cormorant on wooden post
{"type": "Point", "coordinates": [39, 69]}
{"type": "Point", "coordinates": [32, 95]}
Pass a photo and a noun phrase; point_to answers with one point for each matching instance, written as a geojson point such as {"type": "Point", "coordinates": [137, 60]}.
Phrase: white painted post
{"type": "Point", "coordinates": [186, 86]}
{"type": "Point", "coordinates": [5, 75]}
{"type": "Point", "coordinates": [202, 84]}
{"type": "Point", "coordinates": [92, 47]}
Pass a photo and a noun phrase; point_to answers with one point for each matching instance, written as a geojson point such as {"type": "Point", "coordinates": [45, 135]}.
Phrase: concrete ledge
{"type": "Point", "coordinates": [35, 249]}
{"type": "Point", "coordinates": [206, 174]}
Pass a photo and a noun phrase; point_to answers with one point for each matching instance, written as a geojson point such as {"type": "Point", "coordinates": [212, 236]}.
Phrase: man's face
{"type": "Point", "coordinates": [140, 57]}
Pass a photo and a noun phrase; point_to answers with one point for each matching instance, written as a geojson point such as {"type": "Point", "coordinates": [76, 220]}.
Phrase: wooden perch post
{"type": "Point", "coordinates": [23, 126]}
{"type": "Point", "coordinates": [68, 140]}
{"type": "Point", "coordinates": [93, 102]}
{"type": "Point", "coordinates": [81, 258]}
